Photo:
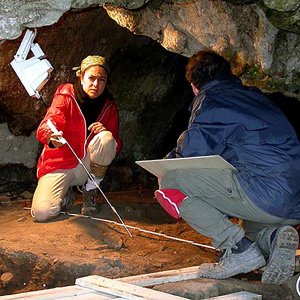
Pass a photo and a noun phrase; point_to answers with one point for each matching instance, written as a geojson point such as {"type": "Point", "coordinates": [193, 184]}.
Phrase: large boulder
{"type": "Point", "coordinates": [241, 33]}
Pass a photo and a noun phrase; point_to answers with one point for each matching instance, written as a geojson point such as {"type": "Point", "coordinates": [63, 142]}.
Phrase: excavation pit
{"type": "Point", "coordinates": [37, 256]}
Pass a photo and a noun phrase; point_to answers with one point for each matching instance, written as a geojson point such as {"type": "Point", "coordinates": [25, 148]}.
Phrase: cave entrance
{"type": "Point", "coordinates": [147, 81]}
{"type": "Point", "coordinates": [153, 96]}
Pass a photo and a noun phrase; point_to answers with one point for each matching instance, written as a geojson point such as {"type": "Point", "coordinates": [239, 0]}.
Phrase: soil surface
{"type": "Point", "coordinates": [35, 256]}
{"type": "Point", "coordinates": [44, 255]}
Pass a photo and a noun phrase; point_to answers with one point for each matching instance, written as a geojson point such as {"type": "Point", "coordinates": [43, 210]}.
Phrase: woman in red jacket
{"type": "Point", "coordinates": [86, 115]}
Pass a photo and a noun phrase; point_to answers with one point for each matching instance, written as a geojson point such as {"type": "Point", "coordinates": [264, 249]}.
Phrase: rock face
{"type": "Point", "coordinates": [143, 78]}
{"type": "Point", "coordinates": [15, 16]}
{"type": "Point", "coordinates": [260, 38]}
{"type": "Point", "coordinates": [12, 145]}
{"type": "Point", "coordinates": [260, 53]}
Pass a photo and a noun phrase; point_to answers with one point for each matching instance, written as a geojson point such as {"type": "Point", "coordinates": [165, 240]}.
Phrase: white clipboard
{"type": "Point", "coordinates": [159, 167]}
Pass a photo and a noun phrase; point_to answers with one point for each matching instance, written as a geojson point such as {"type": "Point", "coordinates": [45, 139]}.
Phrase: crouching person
{"type": "Point", "coordinates": [86, 115]}
{"type": "Point", "coordinates": [240, 124]}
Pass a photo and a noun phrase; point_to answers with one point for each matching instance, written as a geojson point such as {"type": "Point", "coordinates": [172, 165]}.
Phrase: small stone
{"type": "Point", "coordinates": [129, 209]}
{"type": "Point", "coordinates": [6, 278]}
{"type": "Point", "coordinates": [158, 265]}
{"type": "Point", "coordinates": [26, 195]}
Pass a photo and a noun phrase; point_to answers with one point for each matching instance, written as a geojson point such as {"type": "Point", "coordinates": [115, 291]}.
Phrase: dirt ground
{"type": "Point", "coordinates": [36, 256]}
{"type": "Point", "coordinates": [44, 255]}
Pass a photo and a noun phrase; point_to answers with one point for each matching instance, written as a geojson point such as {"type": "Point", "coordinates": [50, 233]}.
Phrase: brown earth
{"type": "Point", "coordinates": [36, 256]}
{"type": "Point", "coordinates": [44, 255]}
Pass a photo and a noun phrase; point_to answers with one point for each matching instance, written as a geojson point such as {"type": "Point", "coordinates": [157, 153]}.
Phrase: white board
{"type": "Point", "coordinates": [159, 167]}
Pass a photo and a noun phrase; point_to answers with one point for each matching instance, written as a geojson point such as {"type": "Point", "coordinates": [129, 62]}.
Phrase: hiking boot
{"type": "Point", "coordinates": [68, 199]}
{"type": "Point", "coordinates": [232, 264]}
{"type": "Point", "coordinates": [90, 205]}
{"type": "Point", "coordinates": [281, 262]}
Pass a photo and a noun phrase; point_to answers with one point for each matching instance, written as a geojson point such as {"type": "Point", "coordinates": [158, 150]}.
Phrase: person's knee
{"type": "Point", "coordinates": [43, 215]}
{"type": "Point", "coordinates": [105, 136]}
{"type": "Point", "coordinates": [108, 141]}
{"type": "Point", "coordinates": [102, 148]}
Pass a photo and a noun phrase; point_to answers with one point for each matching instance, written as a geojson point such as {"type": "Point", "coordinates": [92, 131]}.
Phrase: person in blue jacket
{"type": "Point", "coordinates": [243, 126]}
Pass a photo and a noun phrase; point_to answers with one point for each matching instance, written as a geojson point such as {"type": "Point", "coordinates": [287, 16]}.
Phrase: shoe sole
{"type": "Point", "coordinates": [281, 265]}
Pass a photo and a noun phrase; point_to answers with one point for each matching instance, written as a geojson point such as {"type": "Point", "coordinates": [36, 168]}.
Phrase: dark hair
{"type": "Point", "coordinates": [206, 66]}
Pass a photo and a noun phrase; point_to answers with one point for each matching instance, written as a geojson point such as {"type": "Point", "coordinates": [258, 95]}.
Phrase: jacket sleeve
{"type": "Point", "coordinates": [195, 141]}
{"type": "Point", "coordinates": [206, 134]}
{"type": "Point", "coordinates": [56, 113]}
{"type": "Point", "coordinates": [111, 122]}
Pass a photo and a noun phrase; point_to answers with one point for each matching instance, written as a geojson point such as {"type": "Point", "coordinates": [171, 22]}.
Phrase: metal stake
{"type": "Point", "coordinates": [64, 141]}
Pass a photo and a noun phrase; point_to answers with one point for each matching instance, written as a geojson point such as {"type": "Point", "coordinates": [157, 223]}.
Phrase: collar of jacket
{"type": "Point", "coordinates": [220, 80]}
{"type": "Point", "coordinates": [229, 79]}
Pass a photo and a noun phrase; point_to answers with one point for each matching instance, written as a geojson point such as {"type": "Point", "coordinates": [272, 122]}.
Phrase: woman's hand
{"type": "Point", "coordinates": [53, 138]}
{"type": "Point", "coordinates": [96, 127]}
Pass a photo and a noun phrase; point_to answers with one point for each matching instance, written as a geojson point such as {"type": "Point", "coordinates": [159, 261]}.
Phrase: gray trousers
{"type": "Point", "coordinates": [214, 195]}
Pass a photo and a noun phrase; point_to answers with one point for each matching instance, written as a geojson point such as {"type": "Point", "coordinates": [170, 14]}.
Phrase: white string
{"type": "Point", "coordinates": [139, 229]}
{"type": "Point", "coordinates": [142, 230]}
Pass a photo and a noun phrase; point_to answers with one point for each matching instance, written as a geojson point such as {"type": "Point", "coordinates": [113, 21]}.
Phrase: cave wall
{"type": "Point", "coordinates": [143, 78]}
{"type": "Point", "coordinates": [260, 38]}
{"type": "Point", "coordinates": [147, 44]}
{"type": "Point", "coordinates": [260, 53]}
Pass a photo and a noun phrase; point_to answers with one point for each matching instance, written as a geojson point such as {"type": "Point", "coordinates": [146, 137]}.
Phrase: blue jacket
{"type": "Point", "coordinates": [240, 124]}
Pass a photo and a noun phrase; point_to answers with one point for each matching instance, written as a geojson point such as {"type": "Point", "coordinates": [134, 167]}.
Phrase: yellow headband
{"type": "Point", "coordinates": [92, 60]}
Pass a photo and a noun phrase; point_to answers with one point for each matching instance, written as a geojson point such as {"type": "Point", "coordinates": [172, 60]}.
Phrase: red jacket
{"type": "Point", "coordinates": [67, 117]}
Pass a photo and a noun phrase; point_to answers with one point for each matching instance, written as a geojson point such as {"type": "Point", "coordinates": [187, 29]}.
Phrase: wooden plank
{"type": "Point", "coordinates": [101, 288]}
{"type": "Point", "coordinates": [55, 293]}
{"type": "Point", "coordinates": [91, 296]}
{"type": "Point", "coordinates": [179, 275]}
{"type": "Point", "coordinates": [238, 296]}
{"type": "Point", "coordinates": [162, 277]}
{"type": "Point", "coordinates": [122, 289]}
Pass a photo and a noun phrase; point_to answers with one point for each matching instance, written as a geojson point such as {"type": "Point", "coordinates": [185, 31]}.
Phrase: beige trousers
{"type": "Point", "coordinates": [52, 187]}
